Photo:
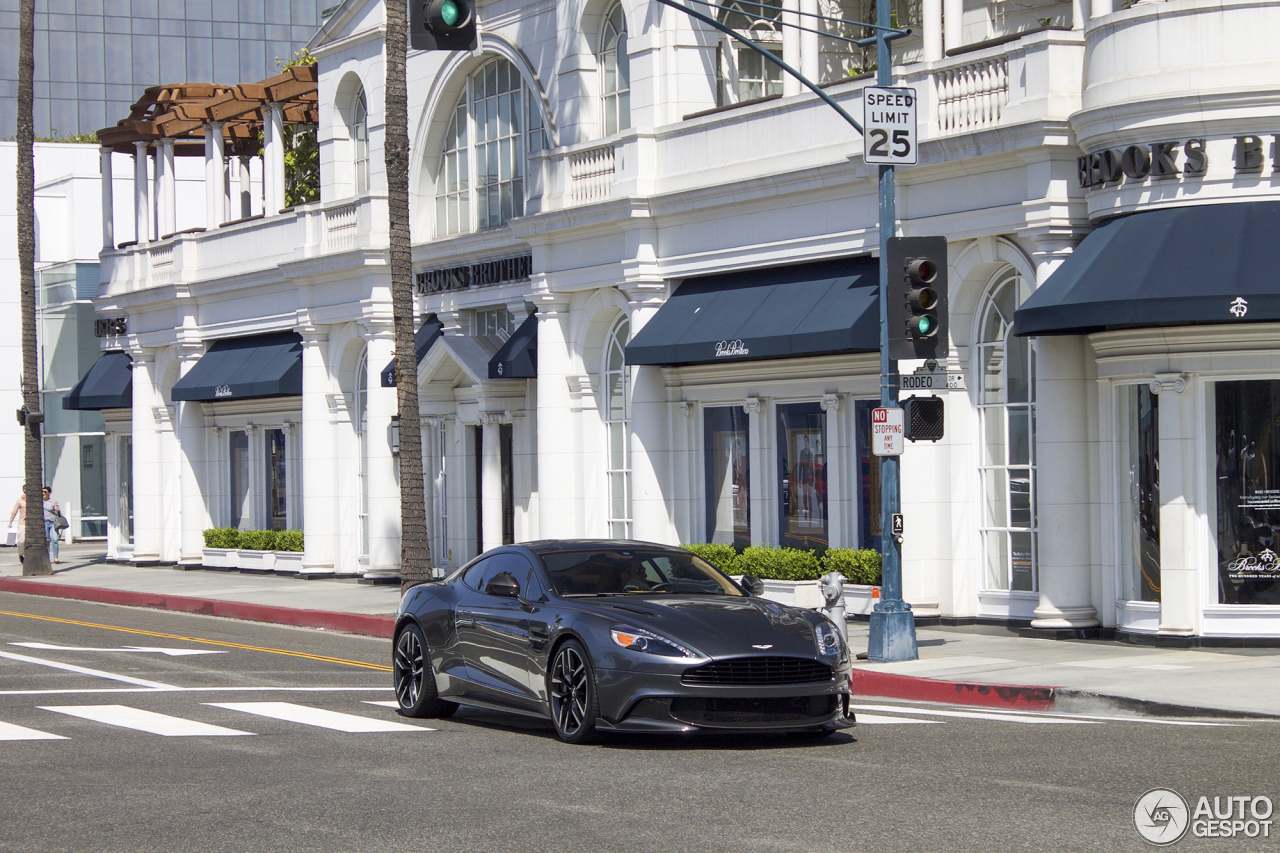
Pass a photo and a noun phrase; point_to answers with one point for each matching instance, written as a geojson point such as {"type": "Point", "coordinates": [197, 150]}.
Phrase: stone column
{"type": "Point", "coordinates": [193, 467]}
{"type": "Point", "coordinates": [790, 46]}
{"type": "Point", "coordinates": [1179, 557]}
{"type": "Point", "coordinates": [490, 451]}
{"type": "Point", "coordinates": [932, 13]}
{"type": "Point", "coordinates": [651, 512]}
{"type": "Point", "coordinates": [384, 482]}
{"type": "Point", "coordinates": [837, 488]}
{"type": "Point", "coordinates": [141, 194]}
{"type": "Point", "coordinates": [953, 20]}
{"type": "Point", "coordinates": [1063, 465]}
{"type": "Point", "coordinates": [215, 193]}
{"type": "Point", "coordinates": [246, 186]}
{"type": "Point", "coordinates": [556, 462]}
{"type": "Point", "coordinates": [147, 515]}
{"type": "Point", "coordinates": [166, 189]}
{"type": "Point", "coordinates": [1079, 14]}
{"type": "Point", "coordinates": [273, 158]}
{"type": "Point", "coordinates": [319, 495]}
{"type": "Point", "coordinates": [810, 48]}
{"type": "Point", "coordinates": [108, 200]}
{"type": "Point", "coordinates": [757, 474]}
{"type": "Point", "coordinates": [1098, 8]}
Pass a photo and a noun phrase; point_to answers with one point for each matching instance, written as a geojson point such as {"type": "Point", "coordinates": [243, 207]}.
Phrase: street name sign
{"type": "Point", "coordinates": [889, 126]}
{"type": "Point", "coordinates": [888, 432]}
{"type": "Point", "coordinates": [923, 379]}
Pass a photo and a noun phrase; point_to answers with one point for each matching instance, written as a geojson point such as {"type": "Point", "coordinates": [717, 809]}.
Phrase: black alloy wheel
{"type": "Point", "coordinates": [571, 685]}
{"type": "Point", "coordinates": [414, 681]}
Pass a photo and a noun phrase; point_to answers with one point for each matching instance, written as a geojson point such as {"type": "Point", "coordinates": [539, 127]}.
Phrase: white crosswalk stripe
{"type": "Point", "coordinates": [385, 703]}
{"type": "Point", "coordinates": [143, 721]}
{"type": "Point", "coordinates": [1010, 716]}
{"type": "Point", "coordinates": [881, 720]}
{"type": "Point", "coordinates": [8, 731]}
{"type": "Point", "coordinates": [977, 715]}
{"type": "Point", "coordinates": [335, 720]}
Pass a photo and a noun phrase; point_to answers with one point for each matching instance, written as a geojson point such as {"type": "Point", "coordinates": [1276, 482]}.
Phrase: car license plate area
{"type": "Point", "coordinates": [725, 711]}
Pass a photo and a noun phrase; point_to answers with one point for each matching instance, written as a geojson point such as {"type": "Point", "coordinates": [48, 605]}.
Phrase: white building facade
{"type": "Point", "coordinates": [647, 305]}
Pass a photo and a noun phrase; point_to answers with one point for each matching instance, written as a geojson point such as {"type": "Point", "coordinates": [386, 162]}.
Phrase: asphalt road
{"type": "Point", "coordinates": [84, 771]}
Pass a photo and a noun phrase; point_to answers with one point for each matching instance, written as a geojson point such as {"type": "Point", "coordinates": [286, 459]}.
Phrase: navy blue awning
{"type": "Point", "coordinates": [1199, 264]}
{"type": "Point", "coordinates": [518, 357]}
{"type": "Point", "coordinates": [106, 385]}
{"type": "Point", "coordinates": [781, 312]}
{"type": "Point", "coordinates": [242, 368]}
{"type": "Point", "coordinates": [426, 335]}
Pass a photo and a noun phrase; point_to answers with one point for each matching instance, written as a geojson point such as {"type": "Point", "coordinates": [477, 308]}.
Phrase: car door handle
{"type": "Point", "coordinates": [465, 619]}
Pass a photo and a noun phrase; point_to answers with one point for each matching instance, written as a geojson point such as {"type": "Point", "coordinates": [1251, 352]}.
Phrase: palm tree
{"type": "Point", "coordinates": [35, 553]}
{"type": "Point", "coordinates": [415, 552]}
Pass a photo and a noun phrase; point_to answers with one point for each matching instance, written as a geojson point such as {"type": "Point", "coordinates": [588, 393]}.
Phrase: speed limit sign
{"type": "Point", "coordinates": [889, 126]}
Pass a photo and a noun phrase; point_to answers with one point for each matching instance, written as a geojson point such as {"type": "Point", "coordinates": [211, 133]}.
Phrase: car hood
{"type": "Point", "coordinates": [718, 626]}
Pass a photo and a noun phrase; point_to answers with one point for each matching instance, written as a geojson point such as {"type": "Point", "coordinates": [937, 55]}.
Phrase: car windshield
{"type": "Point", "coordinates": [634, 572]}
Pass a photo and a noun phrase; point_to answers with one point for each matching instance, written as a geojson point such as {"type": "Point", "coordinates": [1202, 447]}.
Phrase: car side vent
{"type": "Point", "coordinates": [758, 671]}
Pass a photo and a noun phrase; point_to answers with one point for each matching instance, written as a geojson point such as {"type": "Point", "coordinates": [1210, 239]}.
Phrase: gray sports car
{"type": "Point", "coordinates": [603, 636]}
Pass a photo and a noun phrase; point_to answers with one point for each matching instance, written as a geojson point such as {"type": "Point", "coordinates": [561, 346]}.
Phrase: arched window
{"type": "Point", "coordinates": [360, 141]}
{"type": "Point", "coordinates": [744, 74]}
{"type": "Point", "coordinates": [1007, 425]}
{"type": "Point", "coordinates": [481, 176]}
{"type": "Point", "coordinates": [617, 418]}
{"type": "Point", "coordinates": [615, 69]}
{"type": "Point", "coordinates": [361, 424]}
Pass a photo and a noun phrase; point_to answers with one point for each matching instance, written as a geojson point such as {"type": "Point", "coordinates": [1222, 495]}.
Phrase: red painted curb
{"type": "Point", "coordinates": [890, 685]}
{"type": "Point", "coordinates": [349, 623]}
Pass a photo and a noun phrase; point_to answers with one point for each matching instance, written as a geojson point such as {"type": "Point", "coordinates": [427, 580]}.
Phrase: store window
{"type": "Point", "coordinates": [727, 440]}
{"type": "Point", "coordinates": [277, 484]}
{"type": "Point", "coordinates": [238, 455]}
{"type": "Point", "coordinates": [1139, 492]}
{"type": "Point", "coordinates": [492, 321]}
{"type": "Point", "coordinates": [615, 70]}
{"type": "Point", "coordinates": [360, 138]}
{"type": "Point", "coordinates": [124, 488]}
{"type": "Point", "coordinates": [743, 74]}
{"type": "Point", "coordinates": [361, 422]}
{"type": "Point", "coordinates": [617, 416]}
{"type": "Point", "coordinates": [1247, 436]}
{"type": "Point", "coordinates": [93, 487]}
{"type": "Point", "coordinates": [802, 476]}
{"type": "Point", "coordinates": [481, 175]}
{"type": "Point", "coordinates": [1006, 414]}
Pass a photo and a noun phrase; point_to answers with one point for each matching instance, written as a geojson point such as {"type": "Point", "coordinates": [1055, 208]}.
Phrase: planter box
{"type": "Point", "coordinates": [288, 562]}
{"type": "Point", "coordinates": [858, 600]}
{"type": "Point", "coordinates": [257, 561]}
{"type": "Point", "coordinates": [220, 558]}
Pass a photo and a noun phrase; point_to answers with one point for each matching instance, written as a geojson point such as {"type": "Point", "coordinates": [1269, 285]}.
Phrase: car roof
{"type": "Point", "coordinates": [546, 546]}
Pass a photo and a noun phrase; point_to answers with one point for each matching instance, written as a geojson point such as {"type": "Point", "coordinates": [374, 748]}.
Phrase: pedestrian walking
{"type": "Point", "coordinates": [52, 514]}
{"type": "Point", "coordinates": [20, 515]}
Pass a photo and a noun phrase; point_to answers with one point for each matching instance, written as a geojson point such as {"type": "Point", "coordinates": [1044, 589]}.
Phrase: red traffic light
{"type": "Point", "coordinates": [922, 271]}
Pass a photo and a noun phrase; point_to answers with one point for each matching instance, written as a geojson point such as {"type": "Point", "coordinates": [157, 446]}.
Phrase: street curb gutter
{"type": "Point", "coordinates": [888, 685]}
{"type": "Point", "coordinates": [349, 623]}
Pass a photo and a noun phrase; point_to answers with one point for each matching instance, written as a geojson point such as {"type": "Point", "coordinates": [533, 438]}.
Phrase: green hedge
{"type": "Point", "coordinates": [858, 565]}
{"type": "Point", "coordinates": [253, 540]}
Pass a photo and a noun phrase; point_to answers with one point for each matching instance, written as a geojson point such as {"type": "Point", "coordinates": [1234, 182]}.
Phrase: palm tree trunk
{"type": "Point", "coordinates": [35, 549]}
{"type": "Point", "coordinates": [415, 552]}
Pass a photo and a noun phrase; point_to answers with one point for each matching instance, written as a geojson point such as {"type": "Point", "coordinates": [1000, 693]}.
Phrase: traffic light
{"type": "Point", "coordinates": [442, 24]}
{"type": "Point", "coordinates": [917, 292]}
{"type": "Point", "coordinates": [923, 418]}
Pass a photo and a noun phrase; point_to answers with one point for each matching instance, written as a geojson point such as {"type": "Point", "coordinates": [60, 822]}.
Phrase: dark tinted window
{"type": "Point", "coordinates": [633, 571]}
{"type": "Point", "coordinates": [471, 577]}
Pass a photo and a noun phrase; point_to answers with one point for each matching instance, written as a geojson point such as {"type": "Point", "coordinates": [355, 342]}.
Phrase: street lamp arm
{"type": "Point", "coordinates": [711, 22]}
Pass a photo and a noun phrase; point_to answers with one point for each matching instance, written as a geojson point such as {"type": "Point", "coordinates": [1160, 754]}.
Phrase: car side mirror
{"type": "Point", "coordinates": [503, 584]}
{"type": "Point", "coordinates": [752, 585]}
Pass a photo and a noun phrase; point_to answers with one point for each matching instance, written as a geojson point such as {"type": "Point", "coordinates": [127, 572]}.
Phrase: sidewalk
{"type": "Point", "coordinates": [980, 666]}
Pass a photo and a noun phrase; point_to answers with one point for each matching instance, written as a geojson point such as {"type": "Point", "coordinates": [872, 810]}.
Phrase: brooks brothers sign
{"type": "Point", "coordinates": [1136, 164]}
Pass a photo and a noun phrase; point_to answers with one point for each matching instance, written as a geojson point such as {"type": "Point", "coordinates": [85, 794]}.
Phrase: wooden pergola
{"type": "Point", "coordinates": [182, 112]}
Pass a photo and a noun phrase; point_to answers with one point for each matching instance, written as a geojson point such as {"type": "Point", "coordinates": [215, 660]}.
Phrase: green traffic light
{"type": "Point", "coordinates": [924, 325]}
{"type": "Point", "coordinates": [450, 13]}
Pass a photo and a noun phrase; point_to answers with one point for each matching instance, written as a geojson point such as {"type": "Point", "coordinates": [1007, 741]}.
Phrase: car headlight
{"type": "Point", "coordinates": [636, 640]}
{"type": "Point", "coordinates": [830, 643]}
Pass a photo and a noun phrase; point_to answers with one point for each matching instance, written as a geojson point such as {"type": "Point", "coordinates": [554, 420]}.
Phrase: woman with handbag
{"type": "Point", "coordinates": [52, 519]}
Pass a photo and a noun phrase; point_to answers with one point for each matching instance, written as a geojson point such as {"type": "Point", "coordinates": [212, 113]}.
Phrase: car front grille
{"type": "Point", "coordinates": [752, 712]}
{"type": "Point", "coordinates": [758, 671]}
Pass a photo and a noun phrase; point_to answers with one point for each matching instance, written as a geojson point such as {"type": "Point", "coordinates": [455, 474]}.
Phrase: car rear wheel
{"type": "Point", "coordinates": [414, 680]}
{"type": "Point", "coordinates": [571, 686]}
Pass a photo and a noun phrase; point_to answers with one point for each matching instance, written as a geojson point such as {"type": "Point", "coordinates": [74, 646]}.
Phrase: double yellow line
{"type": "Point", "coordinates": [325, 658]}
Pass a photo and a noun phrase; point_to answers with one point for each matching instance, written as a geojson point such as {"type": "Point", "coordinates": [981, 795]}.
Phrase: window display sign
{"type": "Point", "coordinates": [1248, 491]}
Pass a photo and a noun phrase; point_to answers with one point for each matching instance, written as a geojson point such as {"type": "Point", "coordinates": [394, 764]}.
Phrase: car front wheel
{"type": "Point", "coordinates": [571, 686]}
{"type": "Point", "coordinates": [414, 680]}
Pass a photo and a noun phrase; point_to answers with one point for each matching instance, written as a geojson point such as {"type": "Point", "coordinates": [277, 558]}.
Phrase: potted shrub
{"type": "Point", "coordinates": [257, 550]}
{"type": "Point", "coordinates": [220, 548]}
{"type": "Point", "coordinates": [790, 575]}
{"type": "Point", "coordinates": [288, 554]}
